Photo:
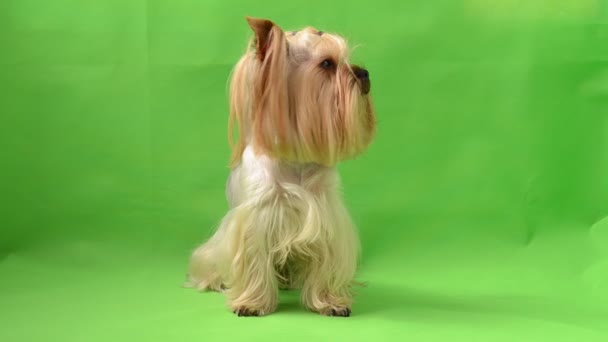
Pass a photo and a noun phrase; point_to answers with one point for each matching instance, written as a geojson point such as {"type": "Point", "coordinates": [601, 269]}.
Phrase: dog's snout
{"type": "Point", "coordinates": [363, 76]}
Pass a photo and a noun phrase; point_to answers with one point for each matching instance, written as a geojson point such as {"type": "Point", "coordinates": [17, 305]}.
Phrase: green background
{"type": "Point", "coordinates": [482, 204]}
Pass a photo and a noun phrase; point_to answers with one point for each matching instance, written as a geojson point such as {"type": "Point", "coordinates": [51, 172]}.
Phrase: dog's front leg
{"type": "Point", "coordinates": [331, 269]}
{"type": "Point", "coordinates": [253, 290]}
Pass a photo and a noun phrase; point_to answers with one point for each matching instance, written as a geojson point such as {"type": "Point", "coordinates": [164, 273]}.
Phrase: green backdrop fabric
{"type": "Point", "coordinates": [482, 205]}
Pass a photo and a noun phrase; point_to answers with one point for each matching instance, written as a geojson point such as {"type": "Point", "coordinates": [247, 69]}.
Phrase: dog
{"type": "Point", "coordinates": [299, 108]}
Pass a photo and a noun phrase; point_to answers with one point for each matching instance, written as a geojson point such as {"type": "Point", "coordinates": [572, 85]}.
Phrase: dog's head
{"type": "Point", "coordinates": [295, 97]}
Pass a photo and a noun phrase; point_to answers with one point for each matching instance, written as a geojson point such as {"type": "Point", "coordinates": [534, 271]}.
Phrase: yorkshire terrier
{"type": "Point", "coordinates": [300, 108]}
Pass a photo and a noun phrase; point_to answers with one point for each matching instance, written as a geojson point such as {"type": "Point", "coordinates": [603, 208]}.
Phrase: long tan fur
{"type": "Point", "coordinates": [287, 225]}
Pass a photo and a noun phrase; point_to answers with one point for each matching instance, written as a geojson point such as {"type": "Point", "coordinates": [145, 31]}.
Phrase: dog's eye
{"type": "Point", "coordinates": [327, 64]}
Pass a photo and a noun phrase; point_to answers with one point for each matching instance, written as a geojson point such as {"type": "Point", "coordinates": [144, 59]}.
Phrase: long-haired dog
{"type": "Point", "coordinates": [300, 108]}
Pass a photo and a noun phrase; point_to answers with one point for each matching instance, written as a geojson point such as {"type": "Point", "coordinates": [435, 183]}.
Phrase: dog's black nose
{"type": "Point", "coordinates": [363, 76]}
{"type": "Point", "coordinates": [361, 73]}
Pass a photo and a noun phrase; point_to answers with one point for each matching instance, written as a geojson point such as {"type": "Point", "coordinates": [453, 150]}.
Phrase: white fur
{"type": "Point", "coordinates": [286, 227]}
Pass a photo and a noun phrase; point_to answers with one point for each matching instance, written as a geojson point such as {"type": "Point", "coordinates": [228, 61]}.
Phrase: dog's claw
{"type": "Point", "coordinates": [345, 312]}
{"type": "Point", "coordinates": [244, 312]}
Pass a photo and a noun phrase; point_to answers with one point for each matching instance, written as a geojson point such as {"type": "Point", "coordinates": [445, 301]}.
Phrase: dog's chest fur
{"type": "Point", "coordinates": [259, 177]}
{"type": "Point", "coordinates": [297, 206]}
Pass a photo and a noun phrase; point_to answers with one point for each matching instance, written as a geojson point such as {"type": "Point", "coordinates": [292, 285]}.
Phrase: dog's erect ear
{"type": "Point", "coordinates": [262, 29]}
{"type": "Point", "coordinates": [269, 116]}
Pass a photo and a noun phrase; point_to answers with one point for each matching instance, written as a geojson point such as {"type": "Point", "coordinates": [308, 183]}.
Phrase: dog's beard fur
{"type": "Point", "coordinates": [287, 226]}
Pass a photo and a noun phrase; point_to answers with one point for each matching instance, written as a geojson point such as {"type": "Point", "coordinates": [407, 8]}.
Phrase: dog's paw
{"type": "Point", "coordinates": [338, 312]}
{"type": "Point", "coordinates": [246, 312]}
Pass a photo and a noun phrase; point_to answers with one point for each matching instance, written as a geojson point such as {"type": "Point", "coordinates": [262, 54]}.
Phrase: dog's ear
{"type": "Point", "coordinates": [270, 107]}
{"type": "Point", "coordinates": [263, 29]}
